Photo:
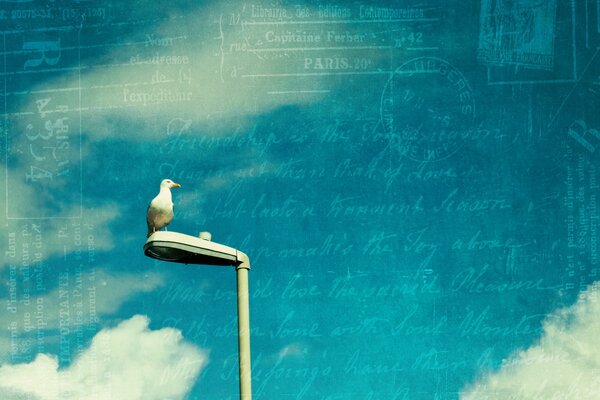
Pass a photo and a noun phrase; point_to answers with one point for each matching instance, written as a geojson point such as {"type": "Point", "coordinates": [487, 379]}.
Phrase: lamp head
{"type": "Point", "coordinates": [186, 249]}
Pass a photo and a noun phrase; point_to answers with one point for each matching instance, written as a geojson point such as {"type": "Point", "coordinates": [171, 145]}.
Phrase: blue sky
{"type": "Point", "coordinates": [414, 183]}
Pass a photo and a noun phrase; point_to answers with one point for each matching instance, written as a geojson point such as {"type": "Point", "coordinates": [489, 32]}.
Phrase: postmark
{"type": "Point", "coordinates": [427, 109]}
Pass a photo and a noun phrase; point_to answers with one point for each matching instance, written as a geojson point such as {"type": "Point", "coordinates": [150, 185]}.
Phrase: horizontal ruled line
{"type": "Point", "coordinates": [56, 90]}
{"type": "Point", "coordinates": [36, 71]}
{"type": "Point", "coordinates": [422, 48]}
{"type": "Point", "coordinates": [317, 74]}
{"type": "Point", "coordinates": [93, 87]}
{"type": "Point", "coordinates": [349, 21]}
{"type": "Point", "coordinates": [93, 46]}
{"type": "Point", "coordinates": [530, 82]}
{"type": "Point", "coordinates": [322, 48]}
{"type": "Point", "coordinates": [77, 27]}
{"type": "Point", "coordinates": [79, 109]}
{"type": "Point", "coordinates": [38, 218]}
{"type": "Point", "coordinates": [298, 91]}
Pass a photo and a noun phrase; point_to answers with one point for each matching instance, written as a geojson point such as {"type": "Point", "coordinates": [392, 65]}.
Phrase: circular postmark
{"type": "Point", "coordinates": [426, 108]}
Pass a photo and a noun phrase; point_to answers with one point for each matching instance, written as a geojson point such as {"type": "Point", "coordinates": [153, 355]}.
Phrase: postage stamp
{"type": "Point", "coordinates": [518, 32]}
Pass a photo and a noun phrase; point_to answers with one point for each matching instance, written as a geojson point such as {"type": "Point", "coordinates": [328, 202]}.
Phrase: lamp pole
{"type": "Point", "coordinates": [180, 248]}
{"type": "Point", "coordinates": [244, 327]}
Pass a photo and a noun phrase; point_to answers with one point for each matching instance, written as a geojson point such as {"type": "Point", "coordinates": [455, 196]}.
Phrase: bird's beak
{"type": "Point", "coordinates": [176, 184]}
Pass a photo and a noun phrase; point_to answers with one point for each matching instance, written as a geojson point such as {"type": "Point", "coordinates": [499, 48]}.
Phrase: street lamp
{"type": "Point", "coordinates": [177, 247]}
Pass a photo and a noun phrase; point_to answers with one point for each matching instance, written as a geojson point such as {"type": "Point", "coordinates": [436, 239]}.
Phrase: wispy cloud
{"type": "Point", "coordinates": [292, 350]}
{"type": "Point", "coordinates": [86, 298]}
{"type": "Point", "coordinates": [128, 362]}
{"type": "Point", "coordinates": [564, 364]}
{"type": "Point", "coordinates": [23, 206]}
{"type": "Point", "coordinates": [166, 73]}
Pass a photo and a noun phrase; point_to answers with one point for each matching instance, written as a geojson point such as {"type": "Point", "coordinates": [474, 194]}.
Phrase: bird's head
{"type": "Point", "coordinates": [168, 184]}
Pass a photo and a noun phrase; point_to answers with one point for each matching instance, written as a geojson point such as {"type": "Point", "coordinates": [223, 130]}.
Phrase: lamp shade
{"type": "Point", "coordinates": [186, 249]}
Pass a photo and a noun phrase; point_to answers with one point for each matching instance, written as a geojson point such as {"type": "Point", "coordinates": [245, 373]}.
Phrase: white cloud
{"type": "Point", "coordinates": [196, 68]}
{"type": "Point", "coordinates": [110, 290]}
{"type": "Point", "coordinates": [292, 350]}
{"type": "Point", "coordinates": [128, 362]}
{"type": "Point", "coordinates": [564, 364]}
{"type": "Point", "coordinates": [26, 201]}
{"type": "Point", "coordinates": [96, 219]}
{"type": "Point", "coordinates": [178, 70]}
{"type": "Point", "coordinates": [85, 298]}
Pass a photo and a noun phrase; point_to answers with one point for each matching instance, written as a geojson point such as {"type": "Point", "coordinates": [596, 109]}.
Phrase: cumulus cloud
{"type": "Point", "coordinates": [564, 364]}
{"type": "Point", "coordinates": [128, 362]}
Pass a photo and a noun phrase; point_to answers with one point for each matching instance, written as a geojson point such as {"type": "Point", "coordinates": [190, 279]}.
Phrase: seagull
{"type": "Point", "coordinates": [160, 209]}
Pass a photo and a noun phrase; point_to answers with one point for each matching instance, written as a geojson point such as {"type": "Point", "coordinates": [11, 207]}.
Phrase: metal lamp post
{"type": "Point", "coordinates": [186, 249]}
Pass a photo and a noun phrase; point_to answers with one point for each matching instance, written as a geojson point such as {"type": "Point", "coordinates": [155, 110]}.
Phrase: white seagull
{"type": "Point", "coordinates": [160, 209]}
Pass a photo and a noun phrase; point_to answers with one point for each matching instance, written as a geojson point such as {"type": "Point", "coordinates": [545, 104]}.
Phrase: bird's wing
{"type": "Point", "coordinates": [159, 213]}
{"type": "Point", "coordinates": [151, 213]}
